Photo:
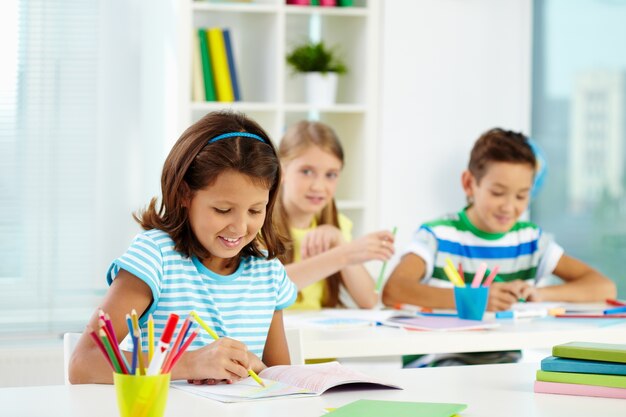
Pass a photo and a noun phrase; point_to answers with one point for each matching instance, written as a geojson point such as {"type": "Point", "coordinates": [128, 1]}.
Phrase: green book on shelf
{"type": "Point", "coordinates": [607, 352]}
{"type": "Point", "coordinates": [205, 55]}
{"type": "Point", "coordinates": [601, 380]}
{"type": "Point", "coordinates": [378, 408]}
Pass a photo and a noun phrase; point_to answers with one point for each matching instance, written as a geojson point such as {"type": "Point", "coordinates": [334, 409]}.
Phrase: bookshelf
{"type": "Point", "coordinates": [262, 32]}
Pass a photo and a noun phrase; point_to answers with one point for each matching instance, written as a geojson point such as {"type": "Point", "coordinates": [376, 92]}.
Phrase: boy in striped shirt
{"type": "Point", "coordinates": [497, 184]}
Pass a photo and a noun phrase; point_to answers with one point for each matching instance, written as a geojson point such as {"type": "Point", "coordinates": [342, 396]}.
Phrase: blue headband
{"type": "Point", "coordinates": [233, 134]}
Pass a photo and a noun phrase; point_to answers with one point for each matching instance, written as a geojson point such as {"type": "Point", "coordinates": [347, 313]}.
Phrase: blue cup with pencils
{"type": "Point", "coordinates": [471, 302]}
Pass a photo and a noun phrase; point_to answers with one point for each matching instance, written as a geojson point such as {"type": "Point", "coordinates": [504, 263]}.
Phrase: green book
{"type": "Point", "coordinates": [607, 352]}
{"type": "Point", "coordinates": [601, 380]}
{"type": "Point", "coordinates": [209, 86]}
{"type": "Point", "coordinates": [377, 408]}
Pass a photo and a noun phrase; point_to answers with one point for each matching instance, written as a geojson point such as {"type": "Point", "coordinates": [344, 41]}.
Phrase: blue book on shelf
{"type": "Point", "coordinates": [554, 364]}
{"type": "Point", "coordinates": [231, 64]}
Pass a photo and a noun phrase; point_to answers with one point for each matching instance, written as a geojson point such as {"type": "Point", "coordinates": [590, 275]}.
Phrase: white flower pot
{"type": "Point", "coordinates": [320, 88]}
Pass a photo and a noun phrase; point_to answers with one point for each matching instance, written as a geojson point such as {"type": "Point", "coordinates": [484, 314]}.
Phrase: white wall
{"type": "Point", "coordinates": [451, 69]}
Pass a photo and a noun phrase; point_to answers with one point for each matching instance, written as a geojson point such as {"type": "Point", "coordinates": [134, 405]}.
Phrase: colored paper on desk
{"type": "Point", "coordinates": [378, 408]}
{"type": "Point", "coordinates": [341, 323]}
{"type": "Point", "coordinates": [579, 389]}
{"type": "Point", "coordinates": [285, 381]}
{"type": "Point", "coordinates": [554, 364]}
{"type": "Point", "coordinates": [615, 381]}
{"type": "Point", "coordinates": [607, 352]}
{"type": "Point", "coordinates": [441, 323]}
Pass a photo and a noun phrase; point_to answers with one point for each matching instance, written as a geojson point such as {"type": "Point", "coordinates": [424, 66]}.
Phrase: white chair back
{"type": "Point", "coordinates": [69, 343]}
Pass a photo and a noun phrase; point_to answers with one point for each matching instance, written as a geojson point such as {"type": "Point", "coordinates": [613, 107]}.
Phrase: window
{"type": "Point", "coordinates": [82, 130]}
{"type": "Point", "coordinates": [579, 119]}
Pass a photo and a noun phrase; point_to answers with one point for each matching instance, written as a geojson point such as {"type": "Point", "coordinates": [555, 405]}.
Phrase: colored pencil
{"type": "Point", "coordinates": [478, 276]}
{"type": "Point", "coordinates": [177, 343]}
{"type": "Point", "coordinates": [107, 345]}
{"type": "Point", "coordinates": [182, 349]}
{"type": "Point", "coordinates": [150, 337]}
{"type": "Point", "coordinates": [491, 276]}
{"type": "Point", "coordinates": [121, 360]}
{"type": "Point", "coordinates": [137, 332]}
{"type": "Point", "coordinates": [381, 275]}
{"type": "Point", "coordinates": [98, 343]}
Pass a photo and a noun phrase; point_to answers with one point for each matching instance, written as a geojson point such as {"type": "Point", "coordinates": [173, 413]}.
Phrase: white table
{"type": "Point", "coordinates": [488, 390]}
{"type": "Point", "coordinates": [381, 341]}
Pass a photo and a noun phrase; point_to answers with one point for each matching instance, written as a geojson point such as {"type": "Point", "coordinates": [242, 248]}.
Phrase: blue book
{"type": "Point", "coordinates": [231, 64]}
{"type": "Point", "coordinates": [554, 364]}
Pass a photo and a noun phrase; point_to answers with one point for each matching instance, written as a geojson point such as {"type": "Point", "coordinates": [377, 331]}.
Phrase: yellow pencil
{"type": "Point", "coordinates": [457, 280]}
{"type": "Point", "coordinates": [150, 338]}
{"type": "Point", "coordinates": [215, 337]}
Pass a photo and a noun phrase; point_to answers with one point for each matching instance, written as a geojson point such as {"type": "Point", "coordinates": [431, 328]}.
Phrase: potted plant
{"type": "Point", "coordinates": [320, 67]}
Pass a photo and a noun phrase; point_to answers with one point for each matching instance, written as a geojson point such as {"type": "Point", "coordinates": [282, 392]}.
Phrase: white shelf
{"type": "Point", "coordinates": [261, 33]}
{"type": "Point", "coordinates": [327, 11]}
{"type": "Point", "coordinates": [235, 7]}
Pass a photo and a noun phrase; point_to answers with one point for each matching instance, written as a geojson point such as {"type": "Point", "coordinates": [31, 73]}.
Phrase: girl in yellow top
{"type": "Point", "coordinates": [323, 261]}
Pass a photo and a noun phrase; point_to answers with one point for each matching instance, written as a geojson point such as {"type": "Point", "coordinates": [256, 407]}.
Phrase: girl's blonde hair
{"type": "Point", "coordinates": [195, 162]}
{"type": "Point", "coordinates": [298, 138]}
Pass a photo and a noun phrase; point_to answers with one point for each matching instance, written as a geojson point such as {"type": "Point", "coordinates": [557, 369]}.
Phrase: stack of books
{"type": "Point", "coordinates": [214, 73]}
{"type": "Point", "coordinates": [582, 368]}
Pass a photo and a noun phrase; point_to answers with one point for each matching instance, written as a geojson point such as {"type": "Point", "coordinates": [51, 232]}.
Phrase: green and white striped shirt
{"type": "Point", "coordinates": [525, 252]}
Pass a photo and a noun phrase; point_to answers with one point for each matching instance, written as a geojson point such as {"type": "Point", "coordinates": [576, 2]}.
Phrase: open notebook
{"type": "Point", "coordinates": [284, 381]}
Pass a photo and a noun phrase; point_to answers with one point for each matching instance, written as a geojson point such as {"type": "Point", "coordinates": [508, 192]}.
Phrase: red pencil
{"type": "Point", "coordinates": [182, 350]}
{"type": "Point", "coordinates": [179, 340]}
{"type": "Point", "coordinates": [116, 350]}
{"type": "Point", "coordinates": [98, 342]}
{"type": "Point", "coordinates": [616, 303]}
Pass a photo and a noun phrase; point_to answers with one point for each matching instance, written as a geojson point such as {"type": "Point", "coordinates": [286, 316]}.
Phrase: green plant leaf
{"type": "Point", "coordinates": [315, 57]}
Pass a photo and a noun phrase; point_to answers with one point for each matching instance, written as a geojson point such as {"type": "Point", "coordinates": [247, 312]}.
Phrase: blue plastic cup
{"type": "Point", "coordinates": [471, 302]}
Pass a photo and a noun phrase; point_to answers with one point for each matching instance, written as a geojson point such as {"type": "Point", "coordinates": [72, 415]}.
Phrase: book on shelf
{"type": "Point", "coordinates": [554, 364]}
{"type": "Point", "coordinates": [207, 67]}
{"type": "Point", "coordinates": [579, 389]}
{"type": "Point", "coordinates": [607, 352]}
{"type": "Point", "coordinates": [615, 381]}
{"type": "Point", "coordinates": [230, 56]}
{"type": "Point", "coordinates": [197, 76]}
{"type": "Point", "coordinates": [377, 408]}
{"type": "Point", "coordinates": [219, 62]}
{"type": "Point", "coordinates": [285, 381]}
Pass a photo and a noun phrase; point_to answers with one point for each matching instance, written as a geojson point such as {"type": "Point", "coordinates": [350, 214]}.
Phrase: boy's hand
{"type": "Point", "coordinates": [223, 360]}
{"type": "Point", "coordinates": [502, 295]}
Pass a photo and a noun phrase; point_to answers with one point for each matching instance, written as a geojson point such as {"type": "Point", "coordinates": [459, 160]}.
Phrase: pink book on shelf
{"type": "Point", "coordinates": [579, 389]}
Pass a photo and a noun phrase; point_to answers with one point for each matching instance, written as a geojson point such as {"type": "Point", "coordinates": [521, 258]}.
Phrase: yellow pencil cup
{"type": "Point", "coordinates": [141, 396]}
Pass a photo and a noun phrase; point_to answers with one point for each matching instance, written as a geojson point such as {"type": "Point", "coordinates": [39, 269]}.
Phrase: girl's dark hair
{"type": "Point", "coordinates": [194, 163]}
{"type": "Point", "coordinates": [298, 138]}
{"type": "Point", "coordinates": [499, 145]}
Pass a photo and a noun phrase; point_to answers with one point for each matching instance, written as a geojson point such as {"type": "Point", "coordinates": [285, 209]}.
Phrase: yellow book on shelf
{"type": "Point", "coordinates": [197, 78]}
{"type": "Point", "coordinates": [219, 61]}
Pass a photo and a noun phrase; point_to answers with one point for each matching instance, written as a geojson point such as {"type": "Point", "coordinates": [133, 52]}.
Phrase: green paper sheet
{"type": "Point", "coordinates": [376, 408]}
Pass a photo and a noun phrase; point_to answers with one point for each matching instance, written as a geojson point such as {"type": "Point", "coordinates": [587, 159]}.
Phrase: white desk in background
{"type": "Point", "coordinates": [309, 342]}
{"type": "Point", "coordinates": [488, 390]}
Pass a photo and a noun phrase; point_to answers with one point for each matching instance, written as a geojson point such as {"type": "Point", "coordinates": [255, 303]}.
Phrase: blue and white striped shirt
{"type": "Point", "coordinates": [239, 306]}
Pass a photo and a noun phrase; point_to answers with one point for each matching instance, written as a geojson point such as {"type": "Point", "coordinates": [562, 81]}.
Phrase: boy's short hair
{"type": "Point", "coordinates": [499, 145]}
